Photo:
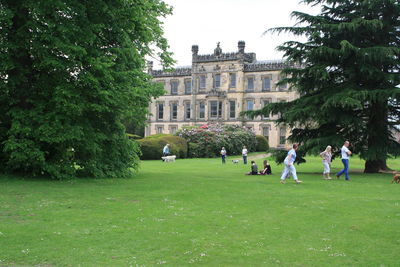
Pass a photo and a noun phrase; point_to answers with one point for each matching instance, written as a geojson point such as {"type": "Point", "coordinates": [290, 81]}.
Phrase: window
{"type": "Point", "coordinates": [282, 87]}
{"type": "Point", "coordinates": [202, 84]}
{"type": "Point", "coordinates": [187, 111]}
{"type": "Point", "coordinates": [174, 87]}
{"type": "Point", "coordinates": [202, 110]}
{"type": "Point", "coordinates": [232, 109]}
{"type": "Point", "coordinates": [188, 87]}
{"type": "Point", "coordinates": [213, 109]}
{"type": "Point", "coordinates": [159, 129]}
{"type": "Point", "coordinates": [265, 132]}
{"type": "Point", "coordinates": [232, 79]}
{"type": "Point", "coordinates": [266, 84]}
{"type": "Point", "coordinates": [282, 135]}
{"type": "Point", "coordinates": [266, 102]}
{"type": "Point", "coordinates": [280, 114]}
{"type": "Point", "coordinates": [217, 81]}
{"type": "Point", "coordinates": [173, 129]}
{"type": "Point", "coordinates": [250, 105]}
{"type": "Point", "coordinates": [250, 83]}
{"type": "Point", "coordinates": [174, 111]}
{"type": "Point", "coordinates": [160, 111]}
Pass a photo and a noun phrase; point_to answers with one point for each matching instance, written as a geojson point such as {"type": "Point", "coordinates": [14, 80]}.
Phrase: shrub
{"type": "Point", "coordinates": [134, 136]}
{"type": "Point", "coordinates": [207, 140]}
{"type": "Point", "coordinates": [152, 147]}
{"type": "Point", "coordinates": [262, 143]}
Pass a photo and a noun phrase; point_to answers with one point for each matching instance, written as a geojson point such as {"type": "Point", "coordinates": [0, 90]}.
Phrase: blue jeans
{"type": "Point", "coordinates": [244, 159]}
{"type": "Point", "coordinates": [345, 170]}
{"type": "Point", "coordinates": [223, 158]}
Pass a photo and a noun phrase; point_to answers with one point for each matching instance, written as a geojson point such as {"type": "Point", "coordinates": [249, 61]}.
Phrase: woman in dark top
{"type": "Point", "coordinates": [267, 168]}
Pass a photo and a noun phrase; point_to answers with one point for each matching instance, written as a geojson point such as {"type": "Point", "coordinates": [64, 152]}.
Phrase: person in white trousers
{"type": "Point", "coordinates": [289, 167]}
{"type": "Point", "coordinates": [326, 156]}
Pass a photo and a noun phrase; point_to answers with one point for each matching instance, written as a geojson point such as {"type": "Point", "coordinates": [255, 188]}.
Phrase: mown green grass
{"type": "Point", "coordinates": [200, 212]}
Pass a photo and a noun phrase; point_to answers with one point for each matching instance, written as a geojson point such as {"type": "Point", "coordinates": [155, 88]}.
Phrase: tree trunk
{"type": "Point", "coordinates": [374, 166]}
{"type": "Point", "coordinates": [378, 136]}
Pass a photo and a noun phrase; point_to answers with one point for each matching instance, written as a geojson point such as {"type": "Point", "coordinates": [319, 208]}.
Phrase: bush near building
{"type": "Point", "coordinates": [262, 143]}
{"type": "Point", "coordinates": [152, 146]}
{"type": "Point", "coordinates": [207, 140]}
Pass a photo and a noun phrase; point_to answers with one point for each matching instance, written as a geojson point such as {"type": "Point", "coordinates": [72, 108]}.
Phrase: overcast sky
{"type": "Point", "coordinates": [206, 22]}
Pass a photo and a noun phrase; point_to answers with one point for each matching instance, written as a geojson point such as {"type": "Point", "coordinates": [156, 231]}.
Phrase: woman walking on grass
{"type": "Point", "coordinates": [326, 156]}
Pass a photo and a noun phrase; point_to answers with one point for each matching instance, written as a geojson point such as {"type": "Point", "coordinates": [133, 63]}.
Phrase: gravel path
{"type": "Point", "coordinates": [260, 156]}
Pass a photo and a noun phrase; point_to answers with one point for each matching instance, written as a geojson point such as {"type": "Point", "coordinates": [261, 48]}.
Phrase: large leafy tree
{"type": "Point", "coordinates": [347, 77]}
{"type": "Point", "coordinates": [71, 71]}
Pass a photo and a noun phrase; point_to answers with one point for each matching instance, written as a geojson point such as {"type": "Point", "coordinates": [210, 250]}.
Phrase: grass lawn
{"type": "Point", "coordinates": [199, 212]}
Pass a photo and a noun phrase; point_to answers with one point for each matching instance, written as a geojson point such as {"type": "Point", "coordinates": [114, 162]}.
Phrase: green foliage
{"type": "Point", "coordinates": [207, 140]}
{"type": "Point", "coordinates": [71, 73]}
{"type": "Point", "coordinates": [262, 143]}
{"type": "Point", "coordinates": [347, 76]}
{"type": "Point", "coordinates": [152, 146]}
{"type": "Point", "coordinates": [134, 136]}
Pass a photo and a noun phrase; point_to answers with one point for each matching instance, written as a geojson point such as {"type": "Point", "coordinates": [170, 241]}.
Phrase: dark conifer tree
{"type": "Point", "coordinates": [347, 77]}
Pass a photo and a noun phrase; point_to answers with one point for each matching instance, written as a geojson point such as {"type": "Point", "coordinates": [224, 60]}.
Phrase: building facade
{"type": "Point", "coordinates": [215, 89]}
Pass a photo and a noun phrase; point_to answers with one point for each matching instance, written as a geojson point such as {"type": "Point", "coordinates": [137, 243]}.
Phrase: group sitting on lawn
{"type": "Point", "coordinates": [265, 171]}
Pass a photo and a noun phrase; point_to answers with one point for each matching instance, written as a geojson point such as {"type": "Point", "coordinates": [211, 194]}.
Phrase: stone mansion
{"type": "Point", "coordinates": [216, 88]}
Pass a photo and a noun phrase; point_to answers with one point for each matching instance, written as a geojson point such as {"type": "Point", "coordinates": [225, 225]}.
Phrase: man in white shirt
{"type": "Point", "coordinates": [223, 154]}
{"type": "Point", "coordinates": [244, 155]}
{"type": "Point", "coordinates": [166, 150]}
{"type": "Point", "coordinates": [289, 167]}
{"type": "Point", "coordinates": [345, 160]}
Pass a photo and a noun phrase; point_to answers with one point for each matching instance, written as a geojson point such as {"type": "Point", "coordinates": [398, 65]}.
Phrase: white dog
{"type": "Point", "coordinates": [235, 161]}
{"type": "Point", "coordinates": [169, 158]}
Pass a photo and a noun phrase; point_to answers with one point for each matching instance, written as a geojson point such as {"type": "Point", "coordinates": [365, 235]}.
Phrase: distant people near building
{"type": "Point", "coordinates": [345, 160]}
{"type": "Point", "coordinates": [326, 156]}
{"type": "Point", "coordinates": [223, 155]}
{"type": "Point", "coordinates": [267, 168]}
{"type": "Point", "coordinates": [244, 155]}
{"type": "Point", "coordinates": [289, 165]}
{"type": "Point", "coordinates": [166, 151]}
{"type": "Point", "coordinates": [218, 87]}
{"type": "Point", "coordinates": [254, 168]}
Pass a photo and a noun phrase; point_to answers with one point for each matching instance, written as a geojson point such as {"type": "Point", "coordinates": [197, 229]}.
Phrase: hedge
{"type": "Point", "coordinates": [262, 143]}
{"type": "Point", "coordinates": [152, 146]}
{"type": "Point", "coordinates": [134, 136]}
{"type": "Point", "coordinates": [207, 140]}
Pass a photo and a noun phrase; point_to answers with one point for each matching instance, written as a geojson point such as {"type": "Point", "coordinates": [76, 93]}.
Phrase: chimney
{"type": "Point", "coordinates": [195, 50]}
{"type": "Point", "coordinates": [241, 46]}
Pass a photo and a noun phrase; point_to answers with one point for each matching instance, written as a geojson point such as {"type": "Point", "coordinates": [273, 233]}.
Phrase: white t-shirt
{"type": "Point", "coordinates": [292, 154]}
{"type": "Point", "coordinates": [344, 151]}
{"type": "Point", "coordinates": [223, 152]}
{"type": "Point", "coordinates": [244, 152]}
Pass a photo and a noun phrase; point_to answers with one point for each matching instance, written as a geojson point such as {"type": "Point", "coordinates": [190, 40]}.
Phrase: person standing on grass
{"type": "Point", "coordinates": [166, 150]}
{"type": "Point", "coordinates": [289, 165]}
{"type": "Point", "coordinates": [244, 155]}
{"type": "Point", "coordinates": [345, 160]}
{"type": "Point", "coordinates": [326, 161]}
{"type": "Point", "coordinates": [223, 155]}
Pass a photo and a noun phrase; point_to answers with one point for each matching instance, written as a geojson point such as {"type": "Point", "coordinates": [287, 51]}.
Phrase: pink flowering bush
{"type": "Point", "coordinates": [207, 140]}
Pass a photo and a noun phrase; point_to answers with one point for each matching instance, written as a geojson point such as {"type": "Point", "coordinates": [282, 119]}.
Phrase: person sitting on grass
{"type": "Point", "coordinates": [254, 168]}
{"type": "Point", "coordinates": [267, 168]}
